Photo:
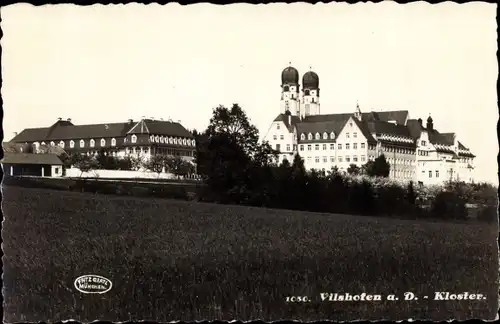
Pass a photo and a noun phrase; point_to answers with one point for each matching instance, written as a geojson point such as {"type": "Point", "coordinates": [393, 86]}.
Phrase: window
{"type": "Point", "coordinates": [317, 136]}
{"type": "Point", "coordinates": [325, 135]}
{"type": "Point", "coordinates": [339, 146]}
{"type": "Point", "coordinates": [281, 137]}
{"type": "Point", "coordinates": [423, 143]}
{"type": "Point", "coordinates": [43, 143]}
{"type": "Point", "coordinates": [347, 135]}
{"type": "Point", "coordinates": [316, 159]}
{"type": "Point", "coordinates": [355, 158]}
{"type": "Point", "coordinates": [332, 159]}
{"type": "Point", "coordinates": [355, 135]}
{"type": "Point", "coordinates": [175, 140]}
{"type": "Point", "coordinates": [332, 135]}
{"type": "Point", "coordinates": [347, 146]}
{"type": "Point", "coordinates": [362, 158]}
{"type": "Point", "coordinates": [277, 126]}
{"type": "Point", "coordinates": [113, 142]}
{"type": "Point", "coordinates": [61, 144]}
{"type": "Point", "coordinates": [332, 147]}
{"type": "Point", "coordinates": [309, 147]}
{"type": "Point", "coordinates": [309, 159]}
{"type": "Point", "coordinates": [170, 140]}
{"type": "Point", "coordinates": [301, 147]}
{"type": "Point", "coordinates": [347, 159]}
{"type": "Point", "coordinates": [316, 147]}
{"type": "Point", "coordinates": [183, 141]}
{"type": "Point", "coordinates": [103, 142]}
{"type": "Point", "coordinates": [277, 147]}
{"type": "Point", "coordinates": [350, 124]}
{"type": "Point", "coordinates": [71, 144]}
{"type": "Point", "coordinates": [92, 143]}
{"type": "Point", "coordinates": [193, 142]}
{"type": "Point", "coordinates": [294, 147]}
{"type": "Point", "coordinates": [362, 145]}
{"type": "Point", "coordinates": [134, 139]}
{"type": "Point", "coordinates": [82, 143]}
{"type": "Point", "coordinates": [325, 159]}
{"type": "Point", "coordinates": [430, 174]}
{"type": "Point", "coordinates": [355, 146]}
{"type": "Point", "coordinates": [288, 147]}
{"type": "Point", "coordinates": [52, 143]}
{"type": "Point", "coordinates": [152, 138]}
{"type": "Point", "coordinates": [339, 159]}
{"type": "Point", "coordinates": [324, 147]}
{"type": "Point", "coordinates": [437, 174]}
{"type": "Point", "coordinates": [162, 139]}
{"type": "Point", "coordinates": [302, 137]}
{"type": "Point", "coordinates": [56, 170]}
{"type": "Point", "coordinates": [310, 136]}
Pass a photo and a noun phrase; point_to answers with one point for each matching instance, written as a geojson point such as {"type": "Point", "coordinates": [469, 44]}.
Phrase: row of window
{"type": "Point", "coordinates": [423, 153]}
{"type": "Point", "coordinates": [325, 159]}
{"type": "Point", "coordinates": [62, 144]}
{"type": "Point", "coordinates": [397, 150]}
{"type": "Point", "coordinates": [172, 140]}
{"type": "Point", "coordinates": [332, 146]}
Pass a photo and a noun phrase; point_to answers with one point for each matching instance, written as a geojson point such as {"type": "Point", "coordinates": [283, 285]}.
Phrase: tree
{"type": "Point", "coordinates": [137, 162]}
{"type": "Point", "coordinates": [156, 163]}
{"type": "Point", "coordinates": [85, 163]}
{"type": "Point", "coordinates": [178, 166]}
{"type": "Point", "coordinates": [234, 124]}
{"type": "Point", "coordinates": [353, 169]}
{"type": "Point", "coordinates": [377, 168]}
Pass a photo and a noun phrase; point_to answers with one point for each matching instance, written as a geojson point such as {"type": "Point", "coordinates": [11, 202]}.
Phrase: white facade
{"type": "Point", "coordinates": [411, 157]}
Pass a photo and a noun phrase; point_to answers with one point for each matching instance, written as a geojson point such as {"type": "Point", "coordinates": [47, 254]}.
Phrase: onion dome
{"type": "Point", "coordinates": [290, 75]}
{"type": "Point", "coordinates": [310, 80]}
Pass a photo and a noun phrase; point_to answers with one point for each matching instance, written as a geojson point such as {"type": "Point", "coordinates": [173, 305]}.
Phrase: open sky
{"type": "Point", "coordinates": [110, 63]}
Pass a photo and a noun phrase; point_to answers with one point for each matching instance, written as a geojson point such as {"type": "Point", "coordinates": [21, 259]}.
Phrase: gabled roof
{"type": "Point", "coordinates": [29, 158]}
{"type": "Point", "coordinates": [160, 127]}
{"type": "Point", "coordinates": [363, 126]}
{"type": "Point", "coordinates": [284, 118]}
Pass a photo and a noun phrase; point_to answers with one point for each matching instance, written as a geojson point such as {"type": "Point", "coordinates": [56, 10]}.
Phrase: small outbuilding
{"type": "Point", "coordinates": [29, 164]}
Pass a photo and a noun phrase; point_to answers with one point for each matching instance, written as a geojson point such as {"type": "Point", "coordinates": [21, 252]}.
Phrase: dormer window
{"type": "Point", "coordinates": [184, 141]}
{"type": "Point", "coordinates": [332, 135]}
{"type": "Point", "coordinates": [157, 139]}
{"type": "Point", "coordinates": [193, 142]}
{"type": "Point", "coordinates": [134, 138]}
{"type": "Point", "coordinates": [92, 143]}
{"type": "Point", "coordinates": [61, 144]}
{"type": "Point", "coordinates": [175, 140]}
{"type": "Point", "coordinates": [162, 139]}
{"type": "Point", "coordinates": [113, 142]}
{"type": "Point", "coordinates": [82, 143]}
{"type": "Point", "coordinates": [302, 136]}
{"type": "Point", "coordinates": [43, 143]}
{"type": "Point", "coordinates": [325, 135]}
{"type": "Point", "coordinates": [103, 142]}
{"type": "Point", "coordinates": [170, 140]}
{"type": "Point", "coordinates": [71, 144]}
{"type": "Point", "coordinates": [317, 136]}
{"type": "Point", "coordinates": [310, 136]}
{"type": "Point", "coordinates": [152, 138]}
{"type": "Point", "coordinates": [52, 143]}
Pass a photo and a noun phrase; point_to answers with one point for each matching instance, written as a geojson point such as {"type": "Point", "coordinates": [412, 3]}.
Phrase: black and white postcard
{"type": "Point", "coordinates": [249, 162]}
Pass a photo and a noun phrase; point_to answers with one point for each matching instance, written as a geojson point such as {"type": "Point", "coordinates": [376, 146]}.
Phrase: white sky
{"type": "Point", "coordinates": [111, 63]}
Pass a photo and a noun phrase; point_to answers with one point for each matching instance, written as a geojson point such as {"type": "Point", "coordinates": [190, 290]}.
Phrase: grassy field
{"type": "Point", "coordinates": [176, 260]}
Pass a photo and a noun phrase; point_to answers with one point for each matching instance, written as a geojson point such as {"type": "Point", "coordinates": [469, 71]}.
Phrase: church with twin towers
{"type": "Point", "coordinates": [416, 151]}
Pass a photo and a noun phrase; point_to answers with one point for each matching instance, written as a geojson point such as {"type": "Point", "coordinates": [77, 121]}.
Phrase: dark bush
{"type": "Point", "coordinates": [449, 205]}
{"type": "Point", "coordinates": [488, 214]}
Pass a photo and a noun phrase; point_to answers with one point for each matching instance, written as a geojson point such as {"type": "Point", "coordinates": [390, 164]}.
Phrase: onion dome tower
{"type": "Point", "coordinates": [290, 91]}
{"type": "Point", "coordinates": [310, 93]}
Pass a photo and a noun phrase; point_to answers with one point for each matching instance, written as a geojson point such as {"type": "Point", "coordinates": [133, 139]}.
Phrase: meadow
{"type": "Point", "coordinates": [186, 260]}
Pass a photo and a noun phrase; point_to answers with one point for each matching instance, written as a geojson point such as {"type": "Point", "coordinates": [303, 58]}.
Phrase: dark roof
{"type": "Point", "coordinates": [415, 128]}
{"type": "Point", "coordinates": [398, 115]}
{"type": "Point", "coordinates": [63, 130]}
{"type": "Point", "coordinates": [363, 126]}
{"type": "Point", "coordinates": [28, 158]}
{"type": "Point", "coordinates": [323, 123]}
{"type": "Point", "coordinates": [440, 138]}
{"type": "Point", "coordinates": [284, 118]}
{"type": "Point", "coordinates": [382, 127]}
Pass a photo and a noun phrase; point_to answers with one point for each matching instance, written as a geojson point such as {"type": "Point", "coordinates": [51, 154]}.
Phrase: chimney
{"type": "Point", "coordinates": [59, 118]}
{"type": "Point", "coordinates": [15, 134]}
{"type": "Point", "coordinates": [420, 122]}
{"type": "Point", "coordinates": [152, 118]}
{"type": "Point", "coordinates": [130, 121]}
{"type": "Point", "coordinates": [179, 121]}
{"type": "Point", "coordinates": [69, 120]}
